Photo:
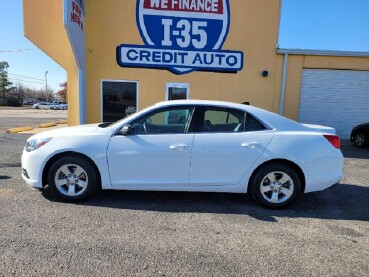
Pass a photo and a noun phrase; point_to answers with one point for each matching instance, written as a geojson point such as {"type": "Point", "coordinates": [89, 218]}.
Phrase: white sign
{"type": "Point", "coordinates": [74, 22]}
{"type": "Point", "coordinates": [201, 60]}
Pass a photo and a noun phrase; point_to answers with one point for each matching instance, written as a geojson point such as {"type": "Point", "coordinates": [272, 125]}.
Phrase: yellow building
{"type": "Point", "coordinates": [139, 52]}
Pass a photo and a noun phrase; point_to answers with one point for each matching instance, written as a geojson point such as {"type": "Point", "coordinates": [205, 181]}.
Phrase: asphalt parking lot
{"type": "Point", "coordinates": [182, 234]}
{"type": "Point", "coordinates": [26, 116]}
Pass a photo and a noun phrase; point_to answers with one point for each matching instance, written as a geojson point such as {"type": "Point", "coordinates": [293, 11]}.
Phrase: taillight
{"type": "Point", "coordinates": [334, 140]}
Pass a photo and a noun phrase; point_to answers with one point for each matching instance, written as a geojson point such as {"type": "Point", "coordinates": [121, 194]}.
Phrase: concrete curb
{"type": "Point", "coordinates": [47, 125]}
{"type": "Point", "coordinates": [18, 130]}
{"type": "Point", "coordinates": [29, 128]}
{"type": "Point", "coordinates": [62, 122]}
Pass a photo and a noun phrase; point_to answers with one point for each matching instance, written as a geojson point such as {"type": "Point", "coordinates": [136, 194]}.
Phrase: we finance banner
{"type": "Point", "coordinates": [182, 36]}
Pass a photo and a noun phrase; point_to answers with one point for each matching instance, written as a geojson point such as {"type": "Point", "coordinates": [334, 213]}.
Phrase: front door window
{"type": "Point", "coordinates": [173, 120]}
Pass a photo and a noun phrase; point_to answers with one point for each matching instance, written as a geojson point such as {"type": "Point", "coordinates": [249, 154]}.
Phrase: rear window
{"type": "Point", "coordinates": [253, 124]}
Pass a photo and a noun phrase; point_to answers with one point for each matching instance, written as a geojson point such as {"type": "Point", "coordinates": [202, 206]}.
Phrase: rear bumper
{"type": "Point", "coordinates": [324, 172]}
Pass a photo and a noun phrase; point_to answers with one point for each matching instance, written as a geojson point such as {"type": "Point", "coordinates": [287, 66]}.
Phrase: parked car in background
{"type": "Point", "coordinates": [59, 107]}
{"type": "Point", "coordinates": [42, 106]}
{"type": "Point", "coordinates": [51, 106]}
{"type": "Point", "coordinates": [58, 103]}
{"type": "Point", "coordinates": [216, 147]}
{"type": "Point", "coordinates": [130, 110]}
{"type": "Point", "coordinates": [360, 135]}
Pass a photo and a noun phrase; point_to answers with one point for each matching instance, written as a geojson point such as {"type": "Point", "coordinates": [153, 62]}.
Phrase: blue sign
{"type": "Point", "coordinates": [182, 36]}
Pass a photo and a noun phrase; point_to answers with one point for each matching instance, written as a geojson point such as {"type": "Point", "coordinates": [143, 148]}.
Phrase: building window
{"type": "Point", "coordinates": [119, 99]}
{"type": "Point", "coordinates": [177, 91]}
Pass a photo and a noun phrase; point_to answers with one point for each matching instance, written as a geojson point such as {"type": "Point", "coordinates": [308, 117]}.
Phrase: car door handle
{"type": "Point", "coordinates": [251, 145]}
{"type": "Point", "coordinates": [178, 146]}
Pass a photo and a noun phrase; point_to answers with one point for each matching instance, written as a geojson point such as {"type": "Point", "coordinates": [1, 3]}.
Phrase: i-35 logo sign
{"type": "Point", "coordinates": [182, 36]}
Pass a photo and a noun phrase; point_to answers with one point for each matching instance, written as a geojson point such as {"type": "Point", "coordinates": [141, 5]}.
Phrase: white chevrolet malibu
{"type": "Point", "coordinates": [188, 145]}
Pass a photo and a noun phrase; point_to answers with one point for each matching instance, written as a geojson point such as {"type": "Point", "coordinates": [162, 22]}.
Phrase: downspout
{"type": "Point", "coordinates": [283, 88]}
{"type": "Point", "coordinates": [82, 95]}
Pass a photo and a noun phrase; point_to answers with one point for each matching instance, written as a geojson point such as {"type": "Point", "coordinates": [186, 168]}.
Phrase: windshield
{"type": "Point", "coordinates": [118, 123]}
{"type": "Point", "coordinates": [106, 124]}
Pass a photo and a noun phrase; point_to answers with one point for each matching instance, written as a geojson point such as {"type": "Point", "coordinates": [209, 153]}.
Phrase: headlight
{"type": "Point", "coordinates": [33, 144]}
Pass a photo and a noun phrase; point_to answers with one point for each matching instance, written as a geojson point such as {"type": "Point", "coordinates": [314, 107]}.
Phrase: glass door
{"type": "Point", "coordinates": [177, 91]}
{"type": "Point", "coordinates": [119, 99]}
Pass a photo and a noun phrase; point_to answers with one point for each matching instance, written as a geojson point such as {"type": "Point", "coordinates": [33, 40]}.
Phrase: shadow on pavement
{"type": "Point", "coordinates": [351, 151]}
{"type": "Point", "coordinates": [4, 165]}
{"type": "Point", "coordinates": [343, 202]}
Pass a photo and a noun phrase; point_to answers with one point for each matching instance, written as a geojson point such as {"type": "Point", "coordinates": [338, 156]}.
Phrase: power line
{"type": "Point", "coordinates": [20, 80]}
{"type": "Point", "coordinates": [25, 81]}
{"type": "Point", "coordinates": [26, 77]}
{"type": "Point", "coordinates": [16, 50]}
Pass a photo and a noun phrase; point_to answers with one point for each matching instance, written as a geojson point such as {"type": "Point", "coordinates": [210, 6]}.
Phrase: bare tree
{"type": "Point", "coordinates": [63, 92]}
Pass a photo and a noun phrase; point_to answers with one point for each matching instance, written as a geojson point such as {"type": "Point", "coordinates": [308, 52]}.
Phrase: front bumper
{"type": "Point", "coordinates": [32, 165]}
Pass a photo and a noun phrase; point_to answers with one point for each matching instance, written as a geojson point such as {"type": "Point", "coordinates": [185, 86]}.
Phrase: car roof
{"type": "Point", "coordinates": [273, 120]}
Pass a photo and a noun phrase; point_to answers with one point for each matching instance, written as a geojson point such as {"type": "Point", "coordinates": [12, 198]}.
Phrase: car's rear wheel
{"type": "Point", "coordinates": [275, 186]}
{"type": "Point", "coordinates": [360, 140]}
{"type": "Point", "coordinates": [37, 107]}
{"type": "Point", "coordinates": [72, 178]}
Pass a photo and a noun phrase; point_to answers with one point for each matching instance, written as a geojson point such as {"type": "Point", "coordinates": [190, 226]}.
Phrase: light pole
{"type": "Point", "coordinates": [47, 93]}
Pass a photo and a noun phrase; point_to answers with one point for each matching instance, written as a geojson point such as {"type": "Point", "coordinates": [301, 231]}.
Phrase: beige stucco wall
{"type": "Point", "coordinates": [253, 30]}
{"type": "Point", "coordinates": [43, 25]}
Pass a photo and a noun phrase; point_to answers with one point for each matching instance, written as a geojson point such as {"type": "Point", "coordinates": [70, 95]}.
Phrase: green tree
{"type": "Point", "coordinates": [4, 82]}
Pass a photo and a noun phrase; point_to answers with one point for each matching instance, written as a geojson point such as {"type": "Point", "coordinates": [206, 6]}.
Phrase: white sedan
{"type": "Point", "coordinates": [212, 147]}
{"type": "Point", "coordinates": [42, 106]}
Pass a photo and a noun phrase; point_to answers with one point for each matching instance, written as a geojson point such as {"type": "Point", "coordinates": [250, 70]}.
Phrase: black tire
{"type": "Point", "coordinates": [361, 140]}
{"type": "Point", "coordinates": [37, 108]}
{"type": "Point", "coordinates": [264, 190]}
{"type": "Point", "coordinates": [51, 108]}
{"type": "Point", "coordinates": [84, 185]}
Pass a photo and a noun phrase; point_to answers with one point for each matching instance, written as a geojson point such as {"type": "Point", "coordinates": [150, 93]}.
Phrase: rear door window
{"type": "Point", "coordinates": [219, 120]}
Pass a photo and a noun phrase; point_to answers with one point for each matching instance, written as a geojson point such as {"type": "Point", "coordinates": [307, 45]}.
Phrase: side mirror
{"type": "Point", "coordinates": [126, 130]}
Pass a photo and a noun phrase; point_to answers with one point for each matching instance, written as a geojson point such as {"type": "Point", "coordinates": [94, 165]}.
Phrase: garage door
{"type": "Point", "coordinates": [336, 98]}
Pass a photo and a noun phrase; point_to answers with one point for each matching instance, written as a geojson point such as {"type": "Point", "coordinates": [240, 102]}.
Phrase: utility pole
{"type": "Point", "coordinates": [47, 93]}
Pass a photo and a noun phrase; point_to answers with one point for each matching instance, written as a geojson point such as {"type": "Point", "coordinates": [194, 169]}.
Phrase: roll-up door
{"type": "Point", "coordinates": [335, 98]}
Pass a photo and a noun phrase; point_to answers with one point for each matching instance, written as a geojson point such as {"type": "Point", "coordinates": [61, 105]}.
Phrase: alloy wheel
{"type": "Point", "coordinates": [71, 180]}
{"type": "Point", "coordinates": [360, 140]}
{"type": "Point", "coordinates": [277, 187]}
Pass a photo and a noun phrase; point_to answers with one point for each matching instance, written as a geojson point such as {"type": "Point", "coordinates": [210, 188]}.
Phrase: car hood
{"type": "Point", "coordinates": [81, 130]}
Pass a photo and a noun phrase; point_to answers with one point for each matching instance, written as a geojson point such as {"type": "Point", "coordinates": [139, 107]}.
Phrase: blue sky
{"type": "Point", "coordinates": [308, 24]}
{"type": "Point", "coordinates": [325, 24]}
{"type": "Point", "coordinates": [32, 63]}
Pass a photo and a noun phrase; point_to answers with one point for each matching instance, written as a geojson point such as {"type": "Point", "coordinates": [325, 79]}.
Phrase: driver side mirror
{"type": "Point", "coordinates": [126, 130]}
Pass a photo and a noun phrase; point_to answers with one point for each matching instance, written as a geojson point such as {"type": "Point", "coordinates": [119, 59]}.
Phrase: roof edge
{"type": "Point", "coordinates": [313, 52]}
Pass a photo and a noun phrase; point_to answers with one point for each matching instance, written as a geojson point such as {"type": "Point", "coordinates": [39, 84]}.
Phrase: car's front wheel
{"type": "Point", "coordinates": [275, 186]}
{"type": "Point", "coordinates": [72, 178]}
{"type": "Point", "coordinates": [37, 107]}
{"type": "Point", "coordinates": [361, 140]}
